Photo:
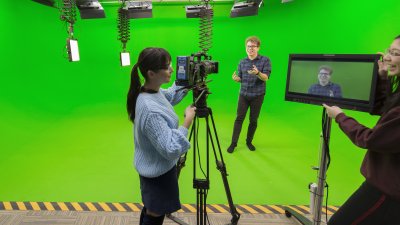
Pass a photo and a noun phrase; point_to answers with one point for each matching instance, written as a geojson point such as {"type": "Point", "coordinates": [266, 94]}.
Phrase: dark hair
{"type": "Point", "coordinates": [153, 59]}
{"type": "Point", "coordinates": [393, 99]}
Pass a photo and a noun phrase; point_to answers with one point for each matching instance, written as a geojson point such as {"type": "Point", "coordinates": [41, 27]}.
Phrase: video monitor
{"type": "Point", "coordinates": [344, 80]}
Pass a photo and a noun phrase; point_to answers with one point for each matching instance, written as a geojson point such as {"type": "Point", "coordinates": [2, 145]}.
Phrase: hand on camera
{"type": "Point", "coordinates": [383, 68]}
{"type": "Point", "coordinates": [332, 111]}
{"type": "Point", "coordinates": [236, 77]}
{"type": "Point", "coordinates": [190, 112]}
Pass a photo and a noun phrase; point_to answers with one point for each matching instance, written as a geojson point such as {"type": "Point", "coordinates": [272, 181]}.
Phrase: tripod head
{"type": "Point", "coordinates": [200, 94]}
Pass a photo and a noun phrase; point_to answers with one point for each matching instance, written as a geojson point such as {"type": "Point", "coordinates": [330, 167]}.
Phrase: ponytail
{"type": "Point", "coordinates": [133, 93]}
{"type": "Point", "coordinates": [152, 59]}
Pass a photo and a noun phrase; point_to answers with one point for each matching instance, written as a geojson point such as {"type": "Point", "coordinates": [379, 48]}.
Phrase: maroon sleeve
{"type": "Point", "coordinates": [384, 137]}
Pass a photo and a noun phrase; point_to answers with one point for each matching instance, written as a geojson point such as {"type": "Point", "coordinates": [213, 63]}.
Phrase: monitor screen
{"type": "Point", "coordinates": [344, 80]}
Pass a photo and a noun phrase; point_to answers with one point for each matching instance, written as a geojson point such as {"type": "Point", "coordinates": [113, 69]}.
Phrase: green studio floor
{"type": "Point", "coordinates": [65, 134]}
{"type": "Point", "coordinates": [278, 172]}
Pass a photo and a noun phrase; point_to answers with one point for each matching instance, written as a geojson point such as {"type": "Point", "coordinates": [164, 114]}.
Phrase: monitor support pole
{"type": "Point", "coordinates": [319, 196]}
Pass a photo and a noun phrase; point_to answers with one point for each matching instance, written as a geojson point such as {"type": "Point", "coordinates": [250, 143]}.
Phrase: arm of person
{"type": "Point", "coordinates": [265, 71]}
{"type": "Point", "coordinates": [235, 77]}
{"type": "Point", "coordinates": [262, 76]}
{"type": "Point", "coordinates": [174, 96]}
{"type": "Point", "coordinates": [383, 137]}
{"type": "Point", "coordinates": [170, 143]}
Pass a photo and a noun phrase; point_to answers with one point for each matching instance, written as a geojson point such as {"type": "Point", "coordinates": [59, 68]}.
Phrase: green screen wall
{"type": "Point", "coordinates": [65, 134]}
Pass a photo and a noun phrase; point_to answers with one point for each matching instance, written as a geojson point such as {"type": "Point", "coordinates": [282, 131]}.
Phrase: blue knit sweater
{"type": "Point", "coordinates": [159, 140]}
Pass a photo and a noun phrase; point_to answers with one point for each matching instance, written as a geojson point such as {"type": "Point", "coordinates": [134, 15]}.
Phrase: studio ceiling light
{"type": "Point", "coordinates": [193, 11]}
{"type": "Point", "coordinates": [46, 2]}
{"type": "Point", "coordinates": [248, 8]}
{"type": "Point", "coordinates": [90, 9]}
{"type": "Point", "coordinates": [139, 9]}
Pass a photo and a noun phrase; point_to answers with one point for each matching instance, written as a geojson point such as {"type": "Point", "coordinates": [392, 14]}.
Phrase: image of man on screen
{"type": "Point", "coordinates": [325, 87]}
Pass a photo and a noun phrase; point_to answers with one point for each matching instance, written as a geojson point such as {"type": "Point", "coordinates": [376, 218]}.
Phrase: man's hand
{"type": "Point", "coordinates": [253, 71]}
{"type": "Point", "coordinates": [236, 77]}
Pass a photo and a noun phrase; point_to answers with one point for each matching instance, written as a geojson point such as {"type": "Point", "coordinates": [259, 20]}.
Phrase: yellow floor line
{"type": "Point", "coordinates": [48, 206]}
{"type": "Point", "coordinates": [21, 206]}
{"type": "Point", "coordinates": [7, 206]}
{"type": "Point", "coordinates": [90, 206]}
{"type": "Point", "coordinates": [219, 208]}
{"type": "Point", "coordinates": [298, 211]}
{"type": "Point", "coordinates": [35, 206]}
{"type": "Point", "coordinates": [105, 207]}
{"type": "Point", "coordinates": [248, 208]}
{"type": "Point", "coordinates": [63, 206]}
{"type": "Point", "coordinates": [304, 207]}
{"type": "Point", "coordinates": [133, 207]}
{"type": "Point", "coordinates": [190, 207]}
{"type": "Point", "coordinates": [119, 207]}
{"type": "Point", "coordinates": [280, 210]}
{"type": "Point", "coordinates": [262, 208]}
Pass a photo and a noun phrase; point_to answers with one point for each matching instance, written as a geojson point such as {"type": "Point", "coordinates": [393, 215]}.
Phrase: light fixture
{"type": "Point", "coordinates": [139, 9]}
{"type": "Point", "coordinates": [46, 2]}
{"type": "Point", "coordinates": [248, 8]}
{"type": "Point", "coordinates": [193, 11]}
{"type": "Point", "coordinates": [91, 9]}
{"type": "Point", "coordinates": [73, 50]}
{"type": "Point", "coordinates": [124, 34]}
{"type": "Point", "coordinates": [68, 15]}
{"type": "Point", "coordinates": [125, 59]}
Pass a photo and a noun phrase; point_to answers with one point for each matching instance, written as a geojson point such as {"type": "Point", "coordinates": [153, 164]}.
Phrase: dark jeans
{"type": "Point", "coordinates": [367, 206]}
{"type": "Point", "coordinates": [254, 103]}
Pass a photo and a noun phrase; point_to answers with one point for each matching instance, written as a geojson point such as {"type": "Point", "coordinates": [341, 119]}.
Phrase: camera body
{"type": "Point", "coordinates": [193, 70]}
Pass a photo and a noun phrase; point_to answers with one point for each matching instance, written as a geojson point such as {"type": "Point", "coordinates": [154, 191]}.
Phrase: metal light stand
{"type": "Point", "coordinates": [319, 197]}
{"type": "Point", "coordinates": [203, 184]}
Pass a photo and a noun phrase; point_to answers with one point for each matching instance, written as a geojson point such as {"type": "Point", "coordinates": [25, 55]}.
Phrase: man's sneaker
{"type": "Point", "coordinates": [231, 148]}
{"type": "Point", "coordinates": [250, 146]}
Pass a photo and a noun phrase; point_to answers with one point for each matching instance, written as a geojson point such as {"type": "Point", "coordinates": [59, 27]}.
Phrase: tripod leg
{"type": "Point", "coordinates": [222, 169]}
{"type": "Point", "coordinates": [234, 212]}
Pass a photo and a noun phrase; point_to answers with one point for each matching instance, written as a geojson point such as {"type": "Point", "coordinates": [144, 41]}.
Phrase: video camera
{"type": "Point", "coordinates": [193, 70]}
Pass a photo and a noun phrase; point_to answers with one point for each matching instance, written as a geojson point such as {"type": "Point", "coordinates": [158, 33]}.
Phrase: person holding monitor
{"type": "Point", "coordinates": [377, 200]}
{"type": "Point", "coordinates": [159, 140]}
{"type": "Point", "coordinates": [325, 87]}
{"type": "Point", "coordinates": [253, 72]}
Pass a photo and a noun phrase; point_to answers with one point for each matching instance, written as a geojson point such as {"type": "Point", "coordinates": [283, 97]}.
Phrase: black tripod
{"type": "Point", "coordinates": [323, 166]}
{"type": "Point", "coordinates": [203, 184]}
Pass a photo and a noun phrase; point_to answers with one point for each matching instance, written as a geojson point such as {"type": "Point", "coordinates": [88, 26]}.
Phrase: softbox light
{"type": "Point", "coordinates": [125, 59]}
{"type": "Point", "coordinates": [193, 11]}
{"type": "Point", "coordinates": [46, 2]}
{"type": "Point", "coordinates": [139, 9]}
{"type": "Point", "coordinates": [73, 50]}
{"type": "Point", "coordinates": [90, 9]}
{"type": "Point", "coordinates": [249, 8]}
